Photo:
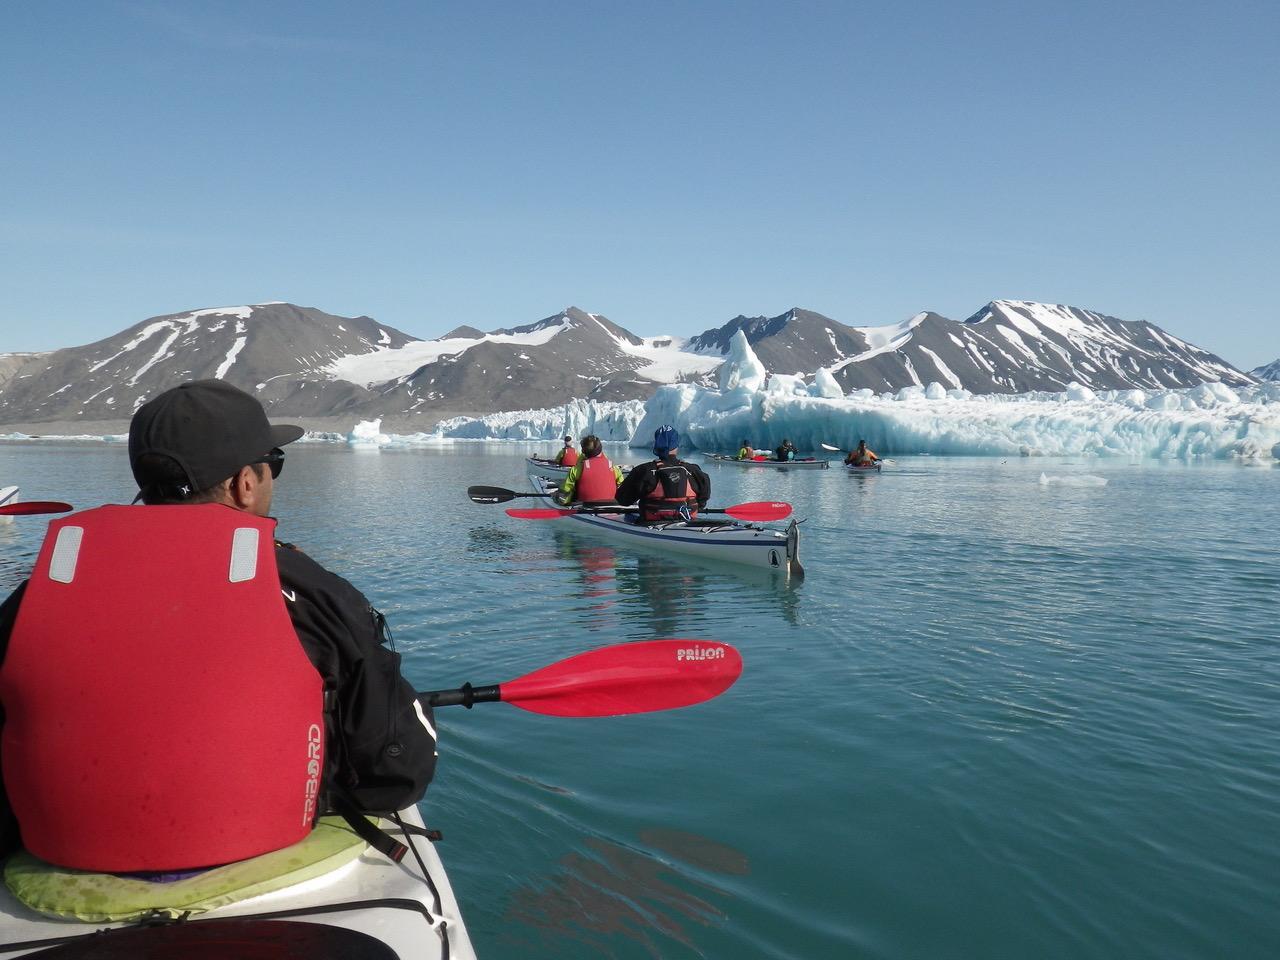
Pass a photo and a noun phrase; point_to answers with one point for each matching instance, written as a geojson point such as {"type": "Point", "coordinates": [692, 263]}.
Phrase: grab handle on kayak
{"type": "Point", "coordinates": [464, 696]}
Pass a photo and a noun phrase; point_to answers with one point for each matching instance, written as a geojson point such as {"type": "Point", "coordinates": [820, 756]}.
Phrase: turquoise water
{"type": "Point", "coordinates": [998, 719]}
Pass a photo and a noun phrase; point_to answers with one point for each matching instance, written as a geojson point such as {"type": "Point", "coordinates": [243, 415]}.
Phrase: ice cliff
{"type": "Point", "coordinates": [1211, 420]}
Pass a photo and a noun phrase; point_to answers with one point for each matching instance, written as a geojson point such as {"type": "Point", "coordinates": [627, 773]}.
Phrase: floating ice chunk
{"type": "Point", "coordinates": [1164, 401]}
{"type": "Point", "coordinates": [1073, 480]}
{"type": "Point", "coordinates": [368, 433]}
{"type": "Point", "coordinates": [935, 391]}
{"type": "Point", "coordinates": [825, 385]}
{"type": "Point", "coordinates": [960, 394]}
{"type": "Point", "coordinates": [1076, 391]}
{"type": "Point", "coordinates": [1132, 398]}
{"type": "Point", "coordinates": [909, 393]}
{"type": "Point", "coordinates": [866, 393]}
{"type": "Point", "coordinates": [742, 370]}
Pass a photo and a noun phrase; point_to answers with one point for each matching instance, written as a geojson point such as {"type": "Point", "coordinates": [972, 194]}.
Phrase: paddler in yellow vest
{"type": "Point", "coordinates": [747, 451]}
{"type": "Point", "coordinates": [593, 479]}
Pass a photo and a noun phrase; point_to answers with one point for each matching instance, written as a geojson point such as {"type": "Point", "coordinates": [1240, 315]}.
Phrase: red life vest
{"type": "Point", "coordinates": [568, 457]}
{"type": "Point", "coordinates": [673, 490]}
{"type": "Point", "coordinates": [597, 482]}
{"type": "Point", "coordinates": [160, 711]}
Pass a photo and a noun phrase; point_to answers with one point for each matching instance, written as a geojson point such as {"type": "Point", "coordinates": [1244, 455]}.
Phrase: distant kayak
{"type": "Point", "coordinates": [808, 463]}
{"type": "Point", "coordinates": [863, 467]}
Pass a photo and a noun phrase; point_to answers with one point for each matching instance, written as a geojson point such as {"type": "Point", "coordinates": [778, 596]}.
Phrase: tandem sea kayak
{"type": "Point", "coordinates": [808, 463]}
{"type": "Point", "coordinates": [350, 903]}
{"type": "Point", "coordinates": [727, 540]}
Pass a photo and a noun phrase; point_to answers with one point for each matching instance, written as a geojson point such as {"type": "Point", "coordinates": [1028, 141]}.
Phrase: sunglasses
{"type": "Point", "coordinates": [274, 460]}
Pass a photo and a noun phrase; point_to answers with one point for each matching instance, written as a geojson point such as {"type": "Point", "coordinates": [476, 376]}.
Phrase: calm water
{"type": "Point", "coordinates": [999, 719]}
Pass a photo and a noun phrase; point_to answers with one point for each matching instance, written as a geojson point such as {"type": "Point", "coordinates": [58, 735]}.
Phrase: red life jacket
{"type": "Point", "coordinates": [568, 457]}
{"type": "Point", "coordinates": [160, 711]}
{"type": "Point", "coordinates": [673, 490]}
{"type": "Point", "coordinates": [597, 482]}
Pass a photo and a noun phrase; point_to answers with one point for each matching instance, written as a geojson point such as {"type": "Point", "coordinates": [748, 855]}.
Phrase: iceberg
{"type": "Point", "coordinates": [368, 433]}
{"type": "Point", "coordinates": [742, 369]}
{"type": "Point", "coordinates": [1211, 420]}
{"type": "Point", "coordinates": [609, 420]}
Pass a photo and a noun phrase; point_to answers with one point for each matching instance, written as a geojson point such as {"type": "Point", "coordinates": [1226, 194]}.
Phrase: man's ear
{"type": "Point", "coordinates": [245, 488]}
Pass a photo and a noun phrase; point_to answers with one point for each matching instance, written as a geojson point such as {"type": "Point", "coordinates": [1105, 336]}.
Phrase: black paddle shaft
{"type": "Point", "coordinates": [465, 695]}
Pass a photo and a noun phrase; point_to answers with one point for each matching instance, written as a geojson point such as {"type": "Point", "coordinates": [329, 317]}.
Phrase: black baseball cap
{"type": "Point", "coordinates": [208, 427]}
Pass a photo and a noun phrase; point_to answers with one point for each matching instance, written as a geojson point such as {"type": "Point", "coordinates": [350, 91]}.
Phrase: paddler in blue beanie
{"type": "Point", "coordinates": [666, 488]}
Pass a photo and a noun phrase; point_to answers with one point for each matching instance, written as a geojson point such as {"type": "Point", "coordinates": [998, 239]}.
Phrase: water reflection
{"type": "Point", "coordinates": [612, 895]}
{"type": "Point", "coordinates": [668, 594]}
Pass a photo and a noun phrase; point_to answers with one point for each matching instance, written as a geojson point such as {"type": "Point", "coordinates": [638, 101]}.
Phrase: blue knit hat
{"type": "Point", "coordinates": [665, 439]}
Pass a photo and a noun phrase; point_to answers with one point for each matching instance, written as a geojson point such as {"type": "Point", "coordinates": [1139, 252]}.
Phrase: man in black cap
{"type": "Point", "coordinates": [207, 442]}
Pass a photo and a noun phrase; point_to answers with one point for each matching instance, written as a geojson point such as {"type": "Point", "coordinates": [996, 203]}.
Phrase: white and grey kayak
{"type": "Point", "coordinates": [8, 495]}
{"type": "Point", "coordinates": [541, 467]}
{"type": "Point", "coordinates": [706, 538]}
{"type": "Point", "coordinates": [809, 463]}
{"type": "Point", "coordinates": [862, 468]}
{"type": "Point", "coordinates": [368, 908]}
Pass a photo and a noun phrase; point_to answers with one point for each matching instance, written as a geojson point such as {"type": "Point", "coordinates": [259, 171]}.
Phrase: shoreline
{"type": "Point", "coordinates": [79, 429]}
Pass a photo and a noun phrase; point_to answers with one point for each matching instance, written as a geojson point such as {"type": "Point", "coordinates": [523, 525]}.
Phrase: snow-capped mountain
{"type": "Point", "coordinates": [276, 350]}
{"type": "Point", "coordinates": [303, 362]}
{"type": "Point", "coordinates": [1270, 371]}
{"type": "Point", "coordinates": [570, 354]}
{"type": "Point", "coordinates": [1009, 346]}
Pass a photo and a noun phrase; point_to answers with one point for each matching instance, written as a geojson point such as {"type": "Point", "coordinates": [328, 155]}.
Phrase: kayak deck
{"type": "Point", "coordinates": [371, 895]}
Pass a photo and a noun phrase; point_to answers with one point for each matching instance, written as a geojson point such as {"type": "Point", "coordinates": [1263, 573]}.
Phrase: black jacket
{"type": "Point", "coordinates": [380, 750]}
{"type": "Point", "coordinates": [643, 479]}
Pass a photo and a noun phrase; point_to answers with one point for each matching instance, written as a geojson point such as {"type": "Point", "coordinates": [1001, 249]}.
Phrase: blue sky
{"type": "Point", "coordinates": [670, 165]}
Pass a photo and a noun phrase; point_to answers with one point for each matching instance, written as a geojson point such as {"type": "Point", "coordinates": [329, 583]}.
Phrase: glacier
{"type": "Point", "coordinates": [1209, 421]}
{"type": "Point", "coordinates": [610, 420]}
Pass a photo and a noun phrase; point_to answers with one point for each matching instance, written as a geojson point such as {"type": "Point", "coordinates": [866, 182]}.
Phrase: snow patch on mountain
{"type": "Point", "coordinates": [380, 366]}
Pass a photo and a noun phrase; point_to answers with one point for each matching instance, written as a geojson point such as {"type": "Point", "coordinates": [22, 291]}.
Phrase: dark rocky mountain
{"type": "Point", "coordinates": [277, 351]}
{"type": "Point", "coordinates": [1009, 346]}
{"type": "Point", "coordinates": [1270, 371]}
{"type": "Point", "coordinates": [570, 354]}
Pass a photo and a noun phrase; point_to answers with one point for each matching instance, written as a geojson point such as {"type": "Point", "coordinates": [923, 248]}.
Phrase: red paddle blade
{"type": "Point", "coordinates": [759, 510]}
{"type": "Point", "coordinates": [628, 678]}
{"type": "Point", "coordinates": [549, 513]}
{"type": "Point", "coordinates": [35, 506]}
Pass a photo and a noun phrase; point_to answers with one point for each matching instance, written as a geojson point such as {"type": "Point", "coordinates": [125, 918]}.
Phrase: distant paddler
{"type": "Point", "coordinates": [863, 456]}
{"type": "Point", "coordinates": [593, 479]}
{"type": "Point", "coordinates": [786, 452]}
{"type": "Point", "coordinates": [746, 451]}
{"type": "Point", "coordinates": [568, 456]}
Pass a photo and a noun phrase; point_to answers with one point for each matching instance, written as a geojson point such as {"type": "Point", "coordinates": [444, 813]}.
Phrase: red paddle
{"type": "Point", "coordinates": [760, 510]}
{"type": "Point", "coordinates": [35, 506]}
{"type": "Point", "coordinates": [612, 681]}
